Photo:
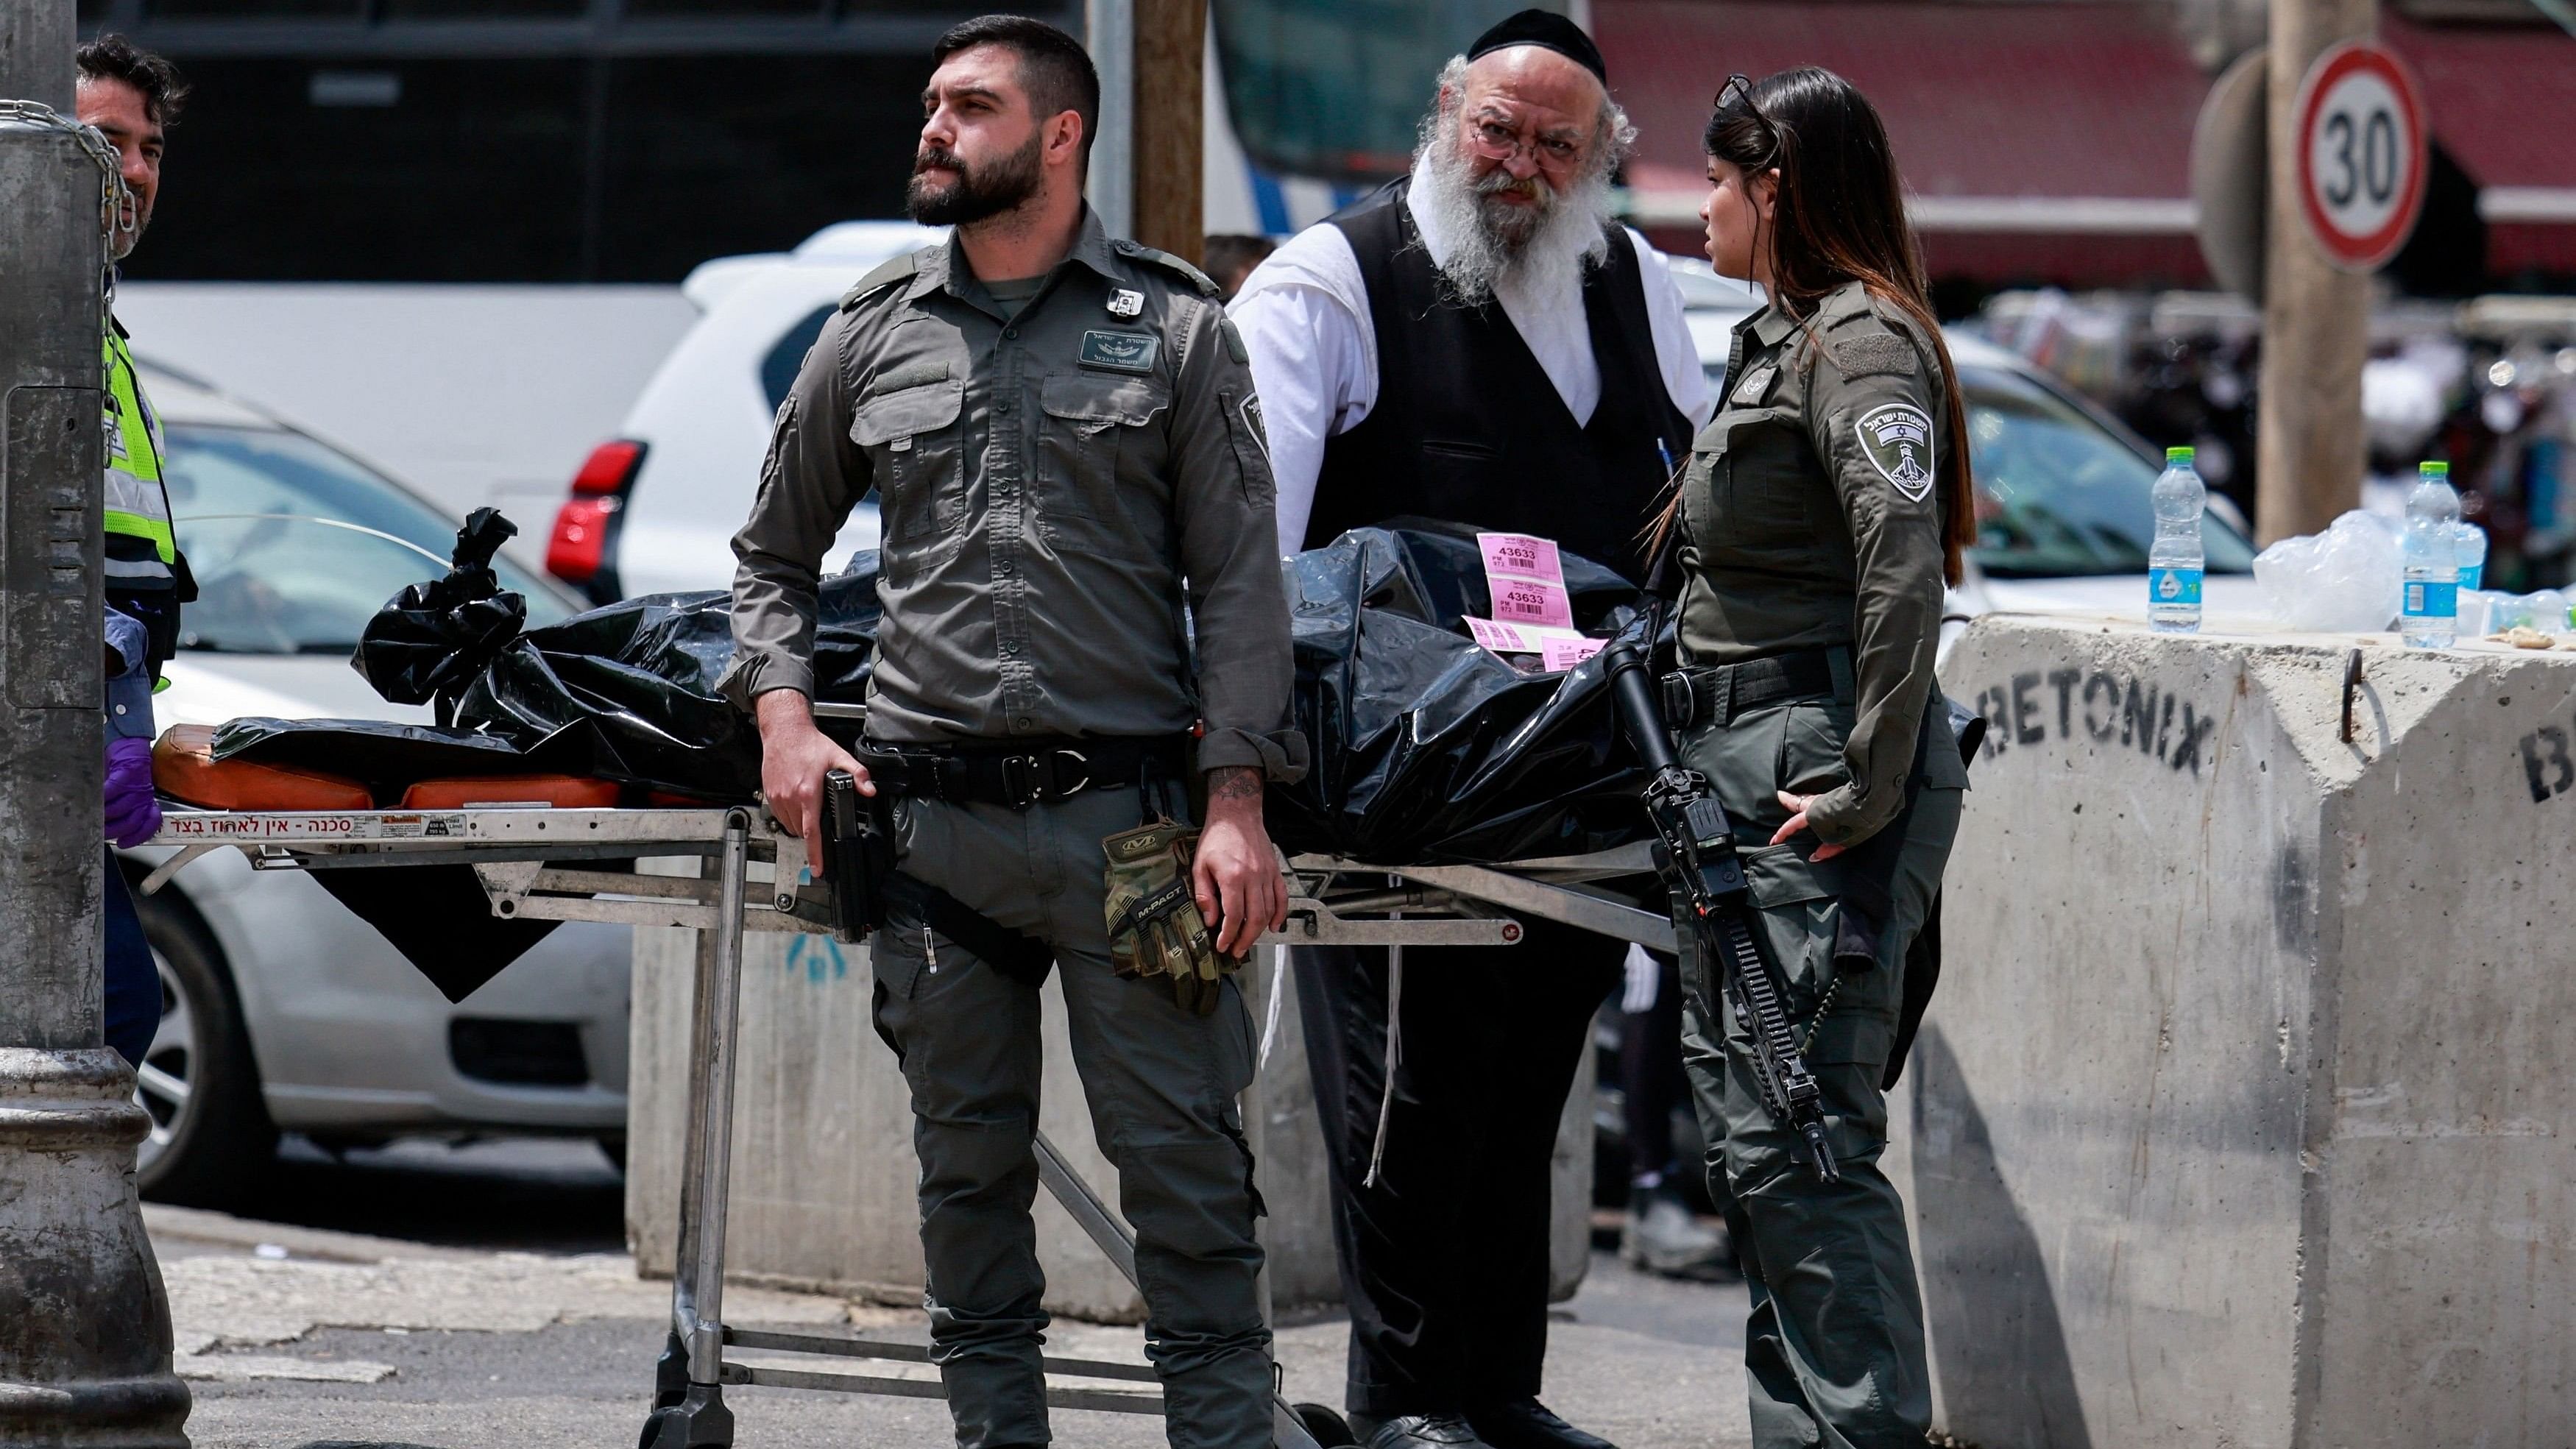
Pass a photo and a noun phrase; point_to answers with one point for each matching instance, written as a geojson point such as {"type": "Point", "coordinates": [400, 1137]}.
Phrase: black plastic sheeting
{"type": "Point", "coordinates": [626, 692]}
{"type": "Point", "coordinates": [429, 640]}
{"type": "Point", "coordinates": [1429, 748]}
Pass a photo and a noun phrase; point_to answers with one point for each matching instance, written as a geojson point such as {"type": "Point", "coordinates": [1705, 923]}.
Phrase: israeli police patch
{"type": "Point", "coordinates": [1120, 351]}
{"type": "Point", "coordinates": [1260, 429]}
{"type": "Point", "coordinates": [1756, 386]}
{"type": "Point", "coordinates": [1897, 439]}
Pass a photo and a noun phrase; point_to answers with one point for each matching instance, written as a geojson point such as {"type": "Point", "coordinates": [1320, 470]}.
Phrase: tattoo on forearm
{"type": "Point", "coordinates": [1234, 782]}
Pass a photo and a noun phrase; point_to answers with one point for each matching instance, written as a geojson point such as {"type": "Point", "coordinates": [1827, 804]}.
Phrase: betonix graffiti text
{"type": "Point", "coordinates": [2111, 710]}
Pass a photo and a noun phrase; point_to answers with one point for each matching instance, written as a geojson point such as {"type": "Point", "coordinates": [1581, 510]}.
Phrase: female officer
{"type": "Point", "coordinates": [1821, 512]}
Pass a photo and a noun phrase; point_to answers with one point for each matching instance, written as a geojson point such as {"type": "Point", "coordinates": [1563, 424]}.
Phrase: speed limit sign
{"type": "Point", "coordinates": [2362, 154]}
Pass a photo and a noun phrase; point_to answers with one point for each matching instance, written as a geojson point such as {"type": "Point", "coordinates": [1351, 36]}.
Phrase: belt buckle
{"type": "Point", "coordinates": [1681, 702]}
{"type": "Point", "coordinates": [1019, 781]}
{"type": "Point", "coordinates": [1067, 792]}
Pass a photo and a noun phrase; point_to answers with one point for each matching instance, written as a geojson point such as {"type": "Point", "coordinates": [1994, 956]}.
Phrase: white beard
{"type": "Point", "coordinates": [1547, 259]}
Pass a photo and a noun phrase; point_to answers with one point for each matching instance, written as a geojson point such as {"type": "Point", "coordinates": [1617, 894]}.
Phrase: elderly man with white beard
{"type": "Point", "coordinates": [1477, 342]}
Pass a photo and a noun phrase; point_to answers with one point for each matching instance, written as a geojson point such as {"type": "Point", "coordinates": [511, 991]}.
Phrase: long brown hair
{"type": "Point", "coordinates": [1840, 214]}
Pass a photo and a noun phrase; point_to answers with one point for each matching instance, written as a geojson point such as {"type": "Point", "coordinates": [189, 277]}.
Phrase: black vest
{"type": "Point", "coordinates": [1467, 425]}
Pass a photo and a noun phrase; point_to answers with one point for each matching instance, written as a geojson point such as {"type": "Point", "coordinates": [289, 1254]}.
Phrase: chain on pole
{"type": "Point", "coordinates": [116, 205]}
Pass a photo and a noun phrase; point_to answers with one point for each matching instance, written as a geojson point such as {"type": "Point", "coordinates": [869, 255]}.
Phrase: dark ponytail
{"type": "Point", "coordinates": [1840, 214]}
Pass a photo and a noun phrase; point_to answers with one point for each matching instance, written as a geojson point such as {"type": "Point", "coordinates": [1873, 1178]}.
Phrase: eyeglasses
{"type": "Point", "coordinates": [1742, 85]}
{"type": "Point", "coordinates": [1497, 142]}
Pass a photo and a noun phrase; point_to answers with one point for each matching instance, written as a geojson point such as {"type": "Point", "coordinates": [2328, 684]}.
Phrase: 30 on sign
{"type": "Point", "coordinates": [2362, 154]}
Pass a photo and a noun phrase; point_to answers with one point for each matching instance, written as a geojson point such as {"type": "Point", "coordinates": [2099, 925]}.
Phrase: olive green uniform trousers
{"type": "Point", "coordinates": [1161, 1085]}
{"type": "Point", "coordinates": [1834, 1352]}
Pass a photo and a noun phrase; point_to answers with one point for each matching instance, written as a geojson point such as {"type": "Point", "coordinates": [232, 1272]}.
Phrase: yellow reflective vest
{"type": "Point", "coordinates": [141, 553]}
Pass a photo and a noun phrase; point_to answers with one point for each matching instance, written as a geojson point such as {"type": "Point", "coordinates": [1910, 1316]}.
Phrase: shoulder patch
{"type": "Point", "coordinates": [1874, 354]}
{"type": "Point", "coordinates": [900, 269]}
{"type": "Point", "coordinates": [1897, 440]}
{"type": "Point", "coordinates": [1196, 279]}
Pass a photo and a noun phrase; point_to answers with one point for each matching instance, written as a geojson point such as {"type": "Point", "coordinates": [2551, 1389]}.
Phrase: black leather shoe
{"type": "Point", "coordinates": [1416, 1431]}
{"type": "Point", "coordinates": [1527, 1424]}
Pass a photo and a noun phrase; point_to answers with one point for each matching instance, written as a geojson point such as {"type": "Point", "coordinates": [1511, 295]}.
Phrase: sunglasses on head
{"type": "Point", "coordinates": [1741, 86]}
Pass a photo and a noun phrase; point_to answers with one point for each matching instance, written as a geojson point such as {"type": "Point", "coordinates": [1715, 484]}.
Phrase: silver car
{"type": "Point", "coordinates": [2063, 514]}
{"type": "Point", "coordinates": [281, 1011]}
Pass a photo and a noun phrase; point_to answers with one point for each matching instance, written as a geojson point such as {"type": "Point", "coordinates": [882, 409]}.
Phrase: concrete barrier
{"type": "Point", "coordinates": [823, 1167]}
{"type": "Point", "coordinates": [2242, 1115]}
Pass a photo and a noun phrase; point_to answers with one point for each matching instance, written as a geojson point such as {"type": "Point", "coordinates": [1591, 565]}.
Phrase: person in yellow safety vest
{"type": "Point", "coordinates": [131, 95]}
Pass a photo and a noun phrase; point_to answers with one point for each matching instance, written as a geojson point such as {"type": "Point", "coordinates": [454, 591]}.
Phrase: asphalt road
{"type": "Point", "coordinates": [454, 1350]}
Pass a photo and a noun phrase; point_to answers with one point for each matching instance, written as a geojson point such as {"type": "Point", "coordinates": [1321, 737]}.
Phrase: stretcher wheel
{"type": "Point", "coordinates": [699, 1421]}
{"type": "Point", "coordinates": [1330, 1429]}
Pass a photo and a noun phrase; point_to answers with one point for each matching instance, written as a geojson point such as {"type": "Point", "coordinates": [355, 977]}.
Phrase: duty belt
{"type": "Point", "coordinates": [1716, 695]}
{"type": "Point", "coordinates": [1020, 775]}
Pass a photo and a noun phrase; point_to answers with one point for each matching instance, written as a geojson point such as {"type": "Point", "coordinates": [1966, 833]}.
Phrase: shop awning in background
{"type": "Point", "coordinates": [2503, 102]}
{"type": "Point", "coordinates": [2052, 142]}
{"type": "Point", "coordinates": [2040, 141]}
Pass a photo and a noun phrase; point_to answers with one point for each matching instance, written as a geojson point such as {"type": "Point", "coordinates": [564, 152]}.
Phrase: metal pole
{"type": "Point", "coordinates": [1109, 33]}
{"type": "Point", "coordinates": [706, 1343]}
{"type": "Point", "coordinates": [2309, 442]}
{"type": "Point", "coordinates": [84, 1325]}
{"type": "Point", "coordinates": [688, 1409]}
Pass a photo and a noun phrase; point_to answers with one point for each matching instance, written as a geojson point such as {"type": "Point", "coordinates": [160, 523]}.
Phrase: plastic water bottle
{"type": "Point", "coordinates": [2174, 564]}
{"type": "Point", "coordinates": [2473, 556]}
{"type": "Point", "coordinates": [2429, 615]}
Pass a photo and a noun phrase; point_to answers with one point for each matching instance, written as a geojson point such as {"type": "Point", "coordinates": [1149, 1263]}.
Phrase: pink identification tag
{"type": "Point", "coordinates": [1502, 638]}
{"type": "Point", "coordinates": [1560, 654]}
{"type": "Point", "coordinates": [1526, 578]}
{"type": "Point", "coordinates": [1557, 649]}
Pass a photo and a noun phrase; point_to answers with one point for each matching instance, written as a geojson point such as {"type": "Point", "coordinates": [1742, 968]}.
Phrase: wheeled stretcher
{"type": "Point", "coordinates": [540, 862]}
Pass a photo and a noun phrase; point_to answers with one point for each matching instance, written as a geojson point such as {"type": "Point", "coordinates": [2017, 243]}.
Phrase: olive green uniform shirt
{"type": "Point", "coordinates": [1812, 517]}
{"type": "Point", "coordinates": [1056, 479]}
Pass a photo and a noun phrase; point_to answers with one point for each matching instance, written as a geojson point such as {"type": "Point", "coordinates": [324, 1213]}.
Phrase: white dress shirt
{"type": "Point", "coordinates": [1304, 315]}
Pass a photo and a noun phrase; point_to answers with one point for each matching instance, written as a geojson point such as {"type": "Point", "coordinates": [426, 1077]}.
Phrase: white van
{"type": "Point", "coordinates": [653, 510]}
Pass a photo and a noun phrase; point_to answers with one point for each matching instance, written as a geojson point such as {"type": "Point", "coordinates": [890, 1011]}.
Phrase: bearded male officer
{"type": "Point", "coordinates": [1062, 431]}
{"type": "Point", "coordinates": [1475, 342]}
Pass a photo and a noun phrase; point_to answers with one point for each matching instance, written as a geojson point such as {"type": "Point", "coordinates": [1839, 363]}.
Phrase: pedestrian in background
{"type": "Point", "coordinates": [1478, 342]}
{"type": "Point", "coordinates": [1231, 258]}
{"type": "Point", "coordinates": [1818, 520]}
{"type": "Point", "coordinates": [1662, 1234]}
{"type": "Point", "coordinates": [132, 96]}
{"type": "Point", "coordinates": [1063, 433]}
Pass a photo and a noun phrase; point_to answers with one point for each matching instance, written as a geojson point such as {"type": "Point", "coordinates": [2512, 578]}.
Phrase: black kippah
{"type": "Point", "coordinates": [1547, 30]}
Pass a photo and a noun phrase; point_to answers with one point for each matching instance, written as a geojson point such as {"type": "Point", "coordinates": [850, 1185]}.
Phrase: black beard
{"type": "Point", "coordinates": [975, 195]}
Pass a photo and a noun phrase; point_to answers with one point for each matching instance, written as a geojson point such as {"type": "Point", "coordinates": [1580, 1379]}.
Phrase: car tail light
{"type": "Point", "coordinates": [582, 550]}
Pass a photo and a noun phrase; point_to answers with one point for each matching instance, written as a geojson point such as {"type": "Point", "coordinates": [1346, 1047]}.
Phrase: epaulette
{"type": "Point", "coordinates": [1197, 279]}
{"type": "Point", "coordinates": [897, 270]}
{"type": "Point", "coordinates": [1864, 341]}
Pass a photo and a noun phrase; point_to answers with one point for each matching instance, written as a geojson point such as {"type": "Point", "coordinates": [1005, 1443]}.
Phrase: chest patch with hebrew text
{"type": "Point", "coordinates": [1120, 351]}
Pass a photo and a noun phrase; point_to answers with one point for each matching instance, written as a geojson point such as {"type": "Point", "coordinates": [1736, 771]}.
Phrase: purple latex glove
{"type": "Point", "coordinates": [133, 815]}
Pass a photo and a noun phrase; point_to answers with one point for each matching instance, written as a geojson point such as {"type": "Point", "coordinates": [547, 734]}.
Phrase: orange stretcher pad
{"type": "Point", "coordinates": [185, 769]}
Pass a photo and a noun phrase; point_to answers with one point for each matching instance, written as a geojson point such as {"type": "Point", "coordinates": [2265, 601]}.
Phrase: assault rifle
{"type": "Point", "coordinates": [1695, 852]}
